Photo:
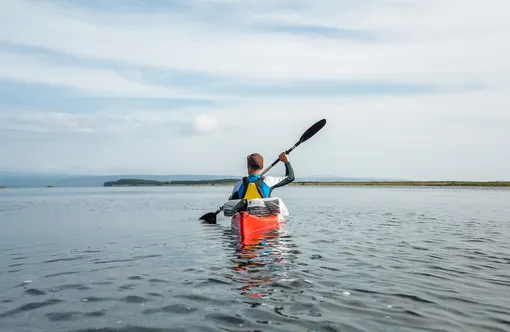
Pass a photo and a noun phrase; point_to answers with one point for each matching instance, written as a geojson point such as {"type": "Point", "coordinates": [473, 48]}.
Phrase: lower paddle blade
{"type": "Point", "coordinates": [209, 218]}
{"type": "Point", "coordinates": [312, 130]}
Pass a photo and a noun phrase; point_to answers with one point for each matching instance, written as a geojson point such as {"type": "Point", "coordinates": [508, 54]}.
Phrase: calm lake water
{"type": "Point", "coordinates": [347, 259]}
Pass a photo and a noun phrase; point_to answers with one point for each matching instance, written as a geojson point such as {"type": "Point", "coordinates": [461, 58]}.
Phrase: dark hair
{"type": "Point", "coordinates": [255, 161]}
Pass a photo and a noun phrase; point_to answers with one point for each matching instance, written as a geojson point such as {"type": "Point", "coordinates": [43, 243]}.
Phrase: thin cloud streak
{"type": "Point", "coordinates": [151, 40]}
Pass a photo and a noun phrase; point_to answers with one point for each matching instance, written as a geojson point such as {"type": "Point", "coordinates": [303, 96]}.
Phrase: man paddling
{"type": "Point", "coordinates": [271, 182]}
{"type": "Point", "coordinates": [254, 186]}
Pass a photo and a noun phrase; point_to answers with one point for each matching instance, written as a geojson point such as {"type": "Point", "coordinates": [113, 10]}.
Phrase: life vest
{"type": "Point", "coordinates": [252, 190]}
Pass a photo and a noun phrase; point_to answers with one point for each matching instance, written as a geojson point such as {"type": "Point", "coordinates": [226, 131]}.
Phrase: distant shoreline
{"type": "Point", "coordinates": [409, 183]}
{"type": "Point", "coordinates": [231, 182]}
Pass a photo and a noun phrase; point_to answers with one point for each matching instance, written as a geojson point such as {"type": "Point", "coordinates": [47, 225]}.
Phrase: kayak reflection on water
{"type": "Point", "coordinates": [260, 263]}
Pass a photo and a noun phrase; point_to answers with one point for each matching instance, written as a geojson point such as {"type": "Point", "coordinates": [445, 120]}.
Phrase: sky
{"type": "Point", "coordinates": [414, 90]}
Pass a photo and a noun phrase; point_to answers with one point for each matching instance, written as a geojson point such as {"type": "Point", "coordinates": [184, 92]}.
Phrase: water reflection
{"type": "Point", "coordinates": [260, 262]}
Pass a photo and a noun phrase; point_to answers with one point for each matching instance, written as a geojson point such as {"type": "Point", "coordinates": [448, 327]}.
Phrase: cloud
{"type": "Point", "coordinates": [362, 138]}
{"type": "Point", "coordinates": [417, 53]}
{"type": "Point", "coordinates": [204, 123]}
{"type": "Point", "coordinates": [134, 124]}
{"type": "Point", "coordinates": [410, 89]}
{"type": "Point", "coordinates": [89, 80]}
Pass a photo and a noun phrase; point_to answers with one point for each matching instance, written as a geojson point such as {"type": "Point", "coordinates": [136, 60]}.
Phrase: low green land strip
{"type": "Point", "coordinates": [229, 182]}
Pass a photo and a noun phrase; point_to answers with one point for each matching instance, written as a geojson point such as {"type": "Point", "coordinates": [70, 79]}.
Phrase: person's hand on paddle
{"type": "Point", "coordinates": [283, 157]}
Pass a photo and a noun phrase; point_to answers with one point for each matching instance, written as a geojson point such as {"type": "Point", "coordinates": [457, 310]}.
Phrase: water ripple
{"type": "Point", "coordinates": [65, 259]}
{"type": "Point", "coordinates": [347, 259]}
{"type": "Point", "coordinates": [126, 259]}
{"type": "Point", "coordinates": [30, 306]}
{"type": "Point", "coordinates": [173, 308]}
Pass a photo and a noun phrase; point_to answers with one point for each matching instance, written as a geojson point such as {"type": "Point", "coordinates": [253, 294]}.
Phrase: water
{"type": "Point", "coordinates": [347, 259]}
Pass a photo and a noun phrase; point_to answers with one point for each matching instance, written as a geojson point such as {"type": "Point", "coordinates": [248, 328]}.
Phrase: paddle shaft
{"type": "Point", "coordinates": [277, 160]}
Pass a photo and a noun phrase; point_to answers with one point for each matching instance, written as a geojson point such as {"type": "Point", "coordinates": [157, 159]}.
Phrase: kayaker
{"type": "Point", "coordinates": [253, 186]}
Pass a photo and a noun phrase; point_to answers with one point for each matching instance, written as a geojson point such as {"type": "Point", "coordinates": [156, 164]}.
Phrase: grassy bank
{"type": "Point", "coordinates": [231, 182]}
{"type": "Point", "coordinates": [410, 183]}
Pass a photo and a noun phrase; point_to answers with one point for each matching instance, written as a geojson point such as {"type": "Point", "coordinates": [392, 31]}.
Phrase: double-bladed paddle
{"type": "Point", "coordinates": [210, 217]}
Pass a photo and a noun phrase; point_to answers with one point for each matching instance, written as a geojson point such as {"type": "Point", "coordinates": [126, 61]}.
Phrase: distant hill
{"type": "Point", "coordinates": [98, 181]}
{"type": "Point", "coordinates": [27, 180]}
{"type": "Point", "coordinates": [34, 180]}
{"type": "Point", "coordinates": [143, 182]}
{"type": "Point", "coordinates": [39, 180]}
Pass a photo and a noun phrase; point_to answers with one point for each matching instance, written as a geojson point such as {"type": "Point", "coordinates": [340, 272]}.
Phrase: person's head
{"type": "Point", "coordinates": [255, 163]}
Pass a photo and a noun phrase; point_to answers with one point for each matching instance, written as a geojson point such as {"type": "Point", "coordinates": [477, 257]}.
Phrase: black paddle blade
{"type": "Point", "coordinates": [312, 130]}
{"type": "Point", "coordinates": [209, 218]}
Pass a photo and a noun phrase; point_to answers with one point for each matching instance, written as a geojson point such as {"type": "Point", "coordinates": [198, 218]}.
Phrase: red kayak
{"type": "Point", "coordinates": [252, 228]}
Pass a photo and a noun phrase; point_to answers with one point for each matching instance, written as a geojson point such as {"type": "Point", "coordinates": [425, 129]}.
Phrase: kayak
{"type": "Point", "coordinates": [251, 228]}
{"type": "Point", "coordinates": [252, 219]}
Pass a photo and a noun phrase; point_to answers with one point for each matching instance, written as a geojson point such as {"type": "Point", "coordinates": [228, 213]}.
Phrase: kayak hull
{"type": "Point", "coordinates": [252, 228]}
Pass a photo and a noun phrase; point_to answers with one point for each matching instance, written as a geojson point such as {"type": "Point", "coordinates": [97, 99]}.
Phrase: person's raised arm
{"type": "Point", "coordinates": [280, 181]}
